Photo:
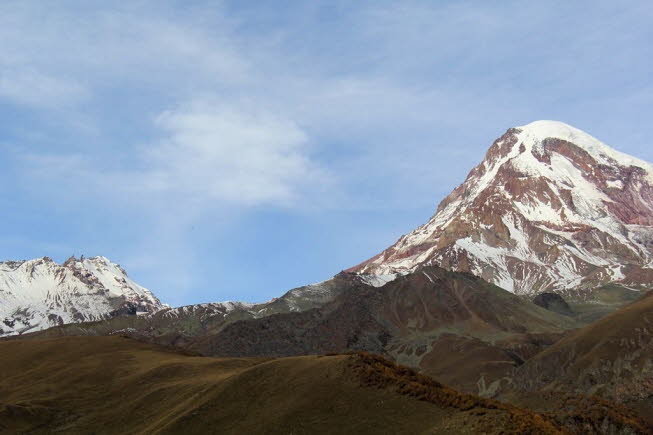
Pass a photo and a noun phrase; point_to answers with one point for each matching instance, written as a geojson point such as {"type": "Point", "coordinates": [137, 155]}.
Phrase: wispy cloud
{"type": "Point", "coordinates": [26, 86]}
{"type": "Point", "coordinates": [77, 48]}
{"type": "Point", "coordinates": [208, 154]}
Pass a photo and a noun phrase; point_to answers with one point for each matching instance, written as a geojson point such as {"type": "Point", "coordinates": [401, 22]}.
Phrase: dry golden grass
{"type": "Point", "coordinates": [111, 385]}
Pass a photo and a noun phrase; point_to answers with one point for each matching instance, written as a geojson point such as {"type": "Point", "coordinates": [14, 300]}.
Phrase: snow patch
{"type": "Point", "coordinates": [378, 280]}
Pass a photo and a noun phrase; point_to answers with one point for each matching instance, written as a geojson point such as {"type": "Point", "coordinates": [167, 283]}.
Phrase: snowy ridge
{"type": "Point", "coordinates": [40, 293]}
{"type": "Point", "coordinates": [205, 310]}
{"type": "Point", "coordinates": [550, 208]}
{"type": "Point", "coordinates": [377, 280]}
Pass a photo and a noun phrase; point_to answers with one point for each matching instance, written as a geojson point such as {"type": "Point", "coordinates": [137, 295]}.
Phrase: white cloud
{"type": "Point", "coordinates": [220, 153]}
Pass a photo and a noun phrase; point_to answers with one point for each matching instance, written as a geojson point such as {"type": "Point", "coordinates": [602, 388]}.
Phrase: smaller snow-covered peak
{"type": "Point", "coordinates": [40, 293]}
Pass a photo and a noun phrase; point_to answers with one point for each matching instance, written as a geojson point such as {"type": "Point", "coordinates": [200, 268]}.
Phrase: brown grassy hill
{"type": "Point", "coordinates": [612, 357]}
{"type": "Point", "coordinates": [117, 385]}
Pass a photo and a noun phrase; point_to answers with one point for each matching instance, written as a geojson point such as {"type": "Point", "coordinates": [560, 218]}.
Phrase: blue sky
{"type": "Point", "coordinates": [234, 150]}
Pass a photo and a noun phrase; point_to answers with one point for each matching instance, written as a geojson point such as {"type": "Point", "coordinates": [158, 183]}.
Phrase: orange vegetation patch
{"type": "Point", "coordinates": [374, 371]}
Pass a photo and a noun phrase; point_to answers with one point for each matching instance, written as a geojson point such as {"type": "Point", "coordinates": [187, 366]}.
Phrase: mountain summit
{"type": "Point", "coordinates": [40, 293]}
{"type": "Point", "coordinates": [549, 208]}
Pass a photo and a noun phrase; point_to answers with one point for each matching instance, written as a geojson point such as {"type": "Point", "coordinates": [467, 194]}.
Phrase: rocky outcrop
{"type": "Point", "coordinates": [553, 302]}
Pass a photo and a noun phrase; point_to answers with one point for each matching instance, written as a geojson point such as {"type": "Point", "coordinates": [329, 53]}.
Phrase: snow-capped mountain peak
{"type": "Point", "coordinates": [40, 293]}
{"type": "Point", "coordinates": [550, 207]}
{"type": "Point", "coordinates": [534, 133]}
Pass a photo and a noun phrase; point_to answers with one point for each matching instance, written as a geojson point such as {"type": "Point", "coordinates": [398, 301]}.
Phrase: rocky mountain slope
{"type": "Point", "coordinates": [38, 294]}
{"type": "Point", "coordinates": [453, 326]}
{"type": "Point", "coordinates": [550, 208]}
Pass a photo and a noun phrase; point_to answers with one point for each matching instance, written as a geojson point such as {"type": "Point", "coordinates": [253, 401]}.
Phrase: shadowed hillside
{"type": "Point", "coordinates": [612, 358]}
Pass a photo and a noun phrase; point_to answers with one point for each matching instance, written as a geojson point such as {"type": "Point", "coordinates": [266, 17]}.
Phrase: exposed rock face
{"type": "Point", "coordinates": [550, 208]}
{"type": "Point", "coordinates": [38, 294]}
{"type": "Point", "coordinates": [553, 302]}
